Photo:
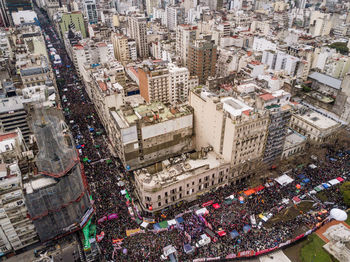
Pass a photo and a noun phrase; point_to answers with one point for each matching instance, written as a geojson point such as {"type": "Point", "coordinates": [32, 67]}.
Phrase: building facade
{"type": "Point", "coordinates": [202, 59]}
{"type": "Point", "coordinates": [234, 130]}
{"type": "Point", "coordinates": [137, 29]}
{"type": "Point", "coordinates": [183, 179]}
{"type": "Point", "coordinates": [145, 134]}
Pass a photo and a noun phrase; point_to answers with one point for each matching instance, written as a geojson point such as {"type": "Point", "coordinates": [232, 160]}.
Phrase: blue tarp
{"type": "Point", "coordinates": [332, 159]}
{"type": "Point", "coordinates": [234, 234]}
{"type": "Point", "coordinates": [91, 129]}
{"type": "Point", "coordinates": [78, 147]}
{"type": "Point", "coordinates": [156, 226]}
{"type": "Point", "coordinates": [306, 180]}
{"type": "Point", "coordinates": [340, 154]}
{"type": "Point", "coordinates": [188, 248]}
{"type": "Point", "coordinates": [301, 176]}
{"type": "Point", "coordinates": [247, 228]}
{"type": "Point", "coordinates": [325, 185]}
{"type": "Point", "coordinates": [179, 220]}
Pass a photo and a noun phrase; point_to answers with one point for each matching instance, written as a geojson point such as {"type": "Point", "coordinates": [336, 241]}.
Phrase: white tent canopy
{"type": "Point", "coordinates": [144, 224]}
{"type": "Point", "coordinates": [171, 222]}
{"type": "Point", "coordinates": [334, 182]}
{"type": "Point", "coordinates": [202, 211]}
{"type": "Point", "coordinates": [312, 166]}
{"type": "Point", "coordinates": [284, 180]}
{"type": "Point", "coordinates": [338, 214]}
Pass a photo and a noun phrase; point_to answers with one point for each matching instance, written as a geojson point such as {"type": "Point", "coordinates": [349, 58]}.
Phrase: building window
{"type": "Point", "coordinates": [158, 197]}
{"type": "Point", "coordinates": [159, 204]}
{"type": "Point", "coordinates": [166, 194]}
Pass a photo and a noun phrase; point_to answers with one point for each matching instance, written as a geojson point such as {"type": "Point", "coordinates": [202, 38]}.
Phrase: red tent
{"type": "Point", "coordinates": [340, 179]}
{"type": "Point", "coordinates": [216, 206]}
{"type": "Point", "coordinates": [259, 188]}
{"type": "Point", "coordinates": [222, 233]}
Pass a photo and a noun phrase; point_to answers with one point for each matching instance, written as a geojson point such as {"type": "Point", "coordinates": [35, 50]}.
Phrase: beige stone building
{"type": "Point", "coordinates": [315, 126]}
{"type": "Point", "coordinates": [121, 48]}
{"type": "Point", "coordinates": [236, 131]}
{"type": "Point", "coordinates": [182, 178]}
{"type": "Point", "coordinates": [147, 133]}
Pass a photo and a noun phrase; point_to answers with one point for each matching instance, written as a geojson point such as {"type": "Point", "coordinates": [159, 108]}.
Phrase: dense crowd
{"type": "Point", "coordinates": [104, 178]}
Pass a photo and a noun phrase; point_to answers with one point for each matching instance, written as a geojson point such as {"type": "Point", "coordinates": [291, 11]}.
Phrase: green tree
{"type": "Point", "coordinates": [345, 190]}
{"type": "Point", "coordinates": [340, 47]}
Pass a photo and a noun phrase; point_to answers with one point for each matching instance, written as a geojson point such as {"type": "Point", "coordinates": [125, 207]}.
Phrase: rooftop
{"type": "Point", "coordinates": [183, 168]}
{"type": "Point", "coordinates": [326, 80]}
{"type": "Point", "coordinates": [315, 118]}
{"type": "Point", "coordinates": [293, 139]}
{"type": "Point", "coordinates": [156, 111]}
{"type": "Point", "coordinates": [234, 106]}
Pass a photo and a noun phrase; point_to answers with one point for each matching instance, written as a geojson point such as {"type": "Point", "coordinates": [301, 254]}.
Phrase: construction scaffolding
{"type": "Point", "coordinates": [56, 196]}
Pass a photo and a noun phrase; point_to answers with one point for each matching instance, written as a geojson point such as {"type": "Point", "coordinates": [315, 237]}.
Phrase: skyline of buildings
{"type": "Point", "coordinates": [193, 95]}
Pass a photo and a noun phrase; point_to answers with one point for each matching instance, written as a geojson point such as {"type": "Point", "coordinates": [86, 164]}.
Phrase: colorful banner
{"type": "Point", "coordinates": [149, 220]}
{"type": "Point", "coordinates": [298, 237]}
{"type": "Point", "coordinates": [247, 253]}
{"type": "Point", "coordinates": [131, 232]}
{"type": "Point", "coordinates": [112, 216]}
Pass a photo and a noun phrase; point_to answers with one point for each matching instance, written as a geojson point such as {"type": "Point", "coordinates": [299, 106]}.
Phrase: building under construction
{"type": "Point", "coordinates": [57, 195]}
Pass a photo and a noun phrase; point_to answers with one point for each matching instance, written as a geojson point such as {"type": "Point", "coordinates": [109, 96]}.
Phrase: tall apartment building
{"type": "Point", "coordinates": [16, 229]}
{"type": "Point", "coordinates": [91, 11]}
{"type": "Point", "coordinates": [277, 103]}
{"type": "Point", "coordinates": [145, 134]}
{"type": "Point", "coordinates": [56, 196]}
{"type": "Point", "coordinates": [154, 82]}
{"type": "Point", "coordinates": [281, 61]}
{"type": "Point", "coordinates": [235, 130]}
{"type": "Point", "coordinates": [121, 48]}
{"type": "Point", "coordinates": [202, 59]}
{"type": "Point", "coordinates": [150, 4]}
{"type": "Point", "coordinates": [185, 34]}
{"type": "Point", "coordinates": [137, 29]}
{"type": "Point", "coordinates": [174, 15]}
{"type": "Point", "coordinates": [178, 84]}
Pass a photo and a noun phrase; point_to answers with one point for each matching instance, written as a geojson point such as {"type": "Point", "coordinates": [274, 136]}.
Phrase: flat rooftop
{"type": "Point", "coordinates": [293, 139]}
{"type": "Point", "coordinates": [326, 80]}
{"type": "Point", "coordinates": [318, 120]}
{"type": "Point", "coordinates": [148, 113]}
{"type": "Point", "coordinates": [179, 171]}
{"type": "Point", "coordinates": [234, 106]}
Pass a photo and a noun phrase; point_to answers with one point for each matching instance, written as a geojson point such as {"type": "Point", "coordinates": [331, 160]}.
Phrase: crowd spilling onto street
{"type": "Point", "coordinates": [233, 214]}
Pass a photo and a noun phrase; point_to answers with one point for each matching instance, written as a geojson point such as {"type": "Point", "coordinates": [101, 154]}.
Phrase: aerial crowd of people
{"type": "Point", "coordinates": [105, 173]}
